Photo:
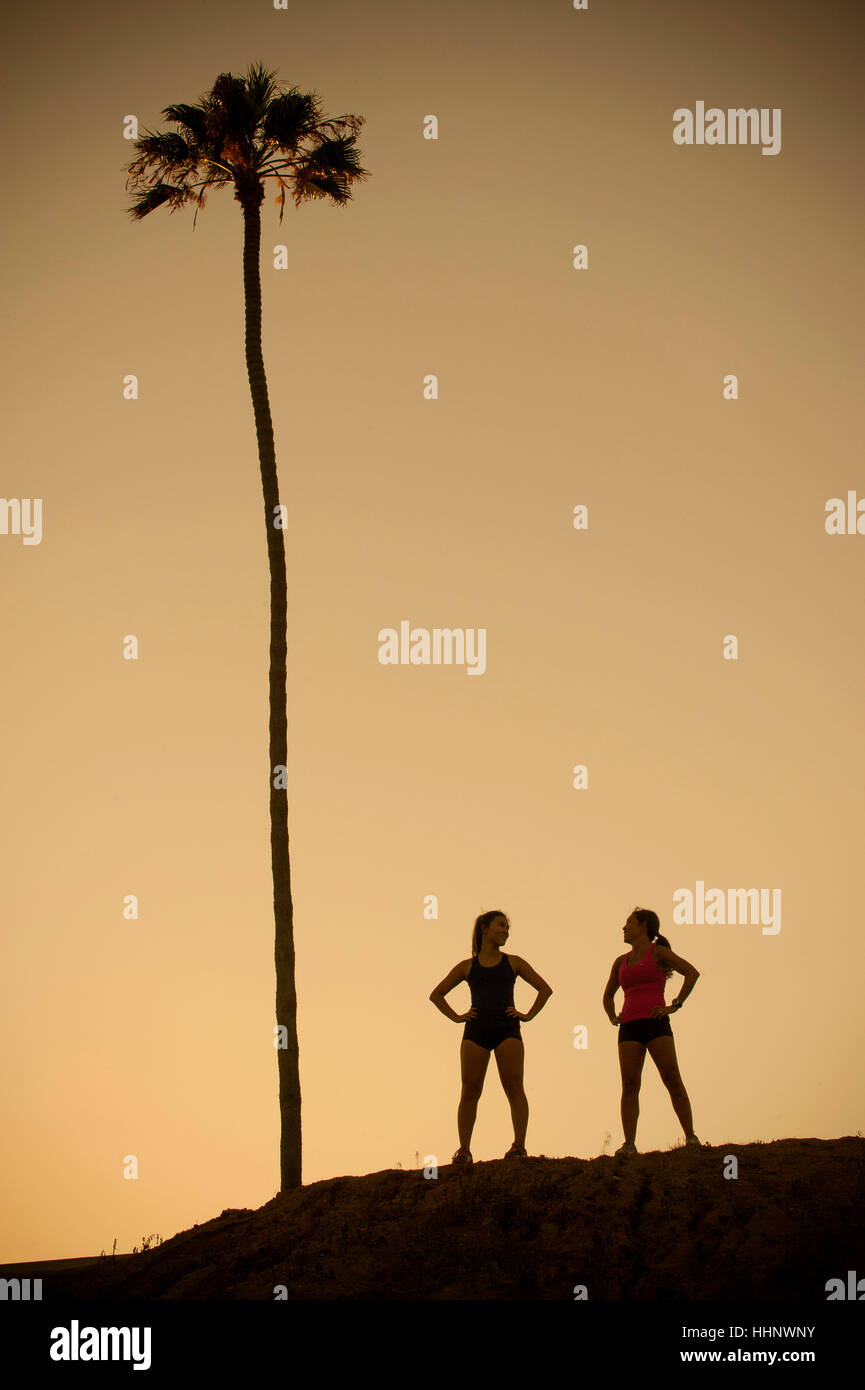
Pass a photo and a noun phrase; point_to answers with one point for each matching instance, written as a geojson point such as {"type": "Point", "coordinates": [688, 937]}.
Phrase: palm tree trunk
{"type": "Point", "coordinates": [250, 197]}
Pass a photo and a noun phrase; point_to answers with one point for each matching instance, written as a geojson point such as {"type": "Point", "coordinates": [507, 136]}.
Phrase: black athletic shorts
{"type": "Point", "coordinates": [489, 1035]}
{"type": "Point", "coordinates": [645, 1030]}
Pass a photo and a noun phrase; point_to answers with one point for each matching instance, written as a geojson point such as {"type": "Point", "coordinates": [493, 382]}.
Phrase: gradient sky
{"type": "Point", "coordinates": [557, 387]}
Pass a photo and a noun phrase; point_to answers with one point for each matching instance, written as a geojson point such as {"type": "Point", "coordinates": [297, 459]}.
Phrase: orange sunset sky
{"type": "Point", "coordinates": [606, 646]}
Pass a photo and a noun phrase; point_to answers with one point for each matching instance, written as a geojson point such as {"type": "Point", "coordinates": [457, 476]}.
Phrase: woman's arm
{"type": "Point", "coordinates": [610, 991]}
{"type": "Point", "coordinates": [459, 972]}
{"type": "Point", "coordinates": [668, 960]}
{"type": "Point", "coordinates": [525, 972]}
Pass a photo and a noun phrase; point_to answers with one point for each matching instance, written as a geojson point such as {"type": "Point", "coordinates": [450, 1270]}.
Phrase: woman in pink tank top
{"type": "Point", "coordinates": [644, 1021]}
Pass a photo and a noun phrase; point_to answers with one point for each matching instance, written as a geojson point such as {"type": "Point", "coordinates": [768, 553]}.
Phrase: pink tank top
{"type": "Point", "coordinates": [643, 984]}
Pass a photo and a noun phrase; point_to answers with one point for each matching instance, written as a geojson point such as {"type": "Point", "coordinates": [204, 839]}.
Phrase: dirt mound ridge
{"type": "Point", "coordinates": [664, 1225]}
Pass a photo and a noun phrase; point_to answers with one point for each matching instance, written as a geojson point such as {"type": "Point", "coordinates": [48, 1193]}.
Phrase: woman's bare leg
{"type": "Point", "coordinates": [474, 1061]}
{"type": "Point", "coordinates": [663, 1054]}
{"type": "Point", "coordinates": [510, 1057]}
{"type": "Point", "coordinates": [632, 1055]}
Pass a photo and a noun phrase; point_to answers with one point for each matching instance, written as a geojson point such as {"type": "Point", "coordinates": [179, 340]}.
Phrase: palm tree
{"type": "Point", "coordinates": [243, 131]}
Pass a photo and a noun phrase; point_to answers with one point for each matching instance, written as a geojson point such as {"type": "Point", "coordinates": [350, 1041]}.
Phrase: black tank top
{"type": "Point", "coordinates": [492, 987]}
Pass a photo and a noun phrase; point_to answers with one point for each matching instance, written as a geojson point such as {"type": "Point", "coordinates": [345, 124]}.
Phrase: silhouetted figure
{"type": "Point", "coordinates": [644, 1021]}
{"type": "Point", "coordinates": [492, 1024]}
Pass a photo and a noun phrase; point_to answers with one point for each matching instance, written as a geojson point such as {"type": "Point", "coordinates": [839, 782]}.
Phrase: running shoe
{"type": "Point", "coordinates": [692, 1139]}
{"type": "Point", "coordinates": [516, 1151]}
{"type": "Point", "coordinates": [629, 1147]}
{"type": "Point", "coordinates": [462, 1156]}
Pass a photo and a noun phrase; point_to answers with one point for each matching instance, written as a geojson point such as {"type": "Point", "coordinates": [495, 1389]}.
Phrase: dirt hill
{"type": "Point", "coordinates": [663, 1225]}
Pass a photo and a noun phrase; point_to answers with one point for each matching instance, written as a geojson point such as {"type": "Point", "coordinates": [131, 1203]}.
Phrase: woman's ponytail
{"type": "Point", "coordinates": [650, 920]}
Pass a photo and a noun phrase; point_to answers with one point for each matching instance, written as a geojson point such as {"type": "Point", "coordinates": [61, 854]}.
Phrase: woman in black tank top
{"type": "Point", "coordinates": [492, 1024]}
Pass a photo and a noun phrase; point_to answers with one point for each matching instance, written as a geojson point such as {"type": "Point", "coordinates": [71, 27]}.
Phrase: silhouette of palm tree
{"type": "Point", "coordinates": [242, 132]}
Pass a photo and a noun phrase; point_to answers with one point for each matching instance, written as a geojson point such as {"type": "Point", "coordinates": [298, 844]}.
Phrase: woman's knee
{"type": "Point", "coordinates": [514, 1090]}
{"type": "Point", "coordinates": [472, 1090]}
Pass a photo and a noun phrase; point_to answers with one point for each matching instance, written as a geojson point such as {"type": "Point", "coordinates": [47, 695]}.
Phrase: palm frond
{"type": "Point", "coordinates": [261, 89]}
{"type": "Point", "coordinates": [328, 171]}
{"type": "Point", "coordinates": [280, 197]}
{"type": "Point", "coordinates": [338, 124]}
{"type": "Point", "coordinates": [167, 150]}
{"type": "Point", "coordinates": [309, 183]}
{"type": "Point", "coordinates": [191, 119]}
{"type": "Point", "coordinates": [157, 196]}
{"type": "Point", "coordinates": [289, 118]}
{"type": "Point", "coordinates": [340, 156]}
{"type": "Point", "coordinates": [231, 120]}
